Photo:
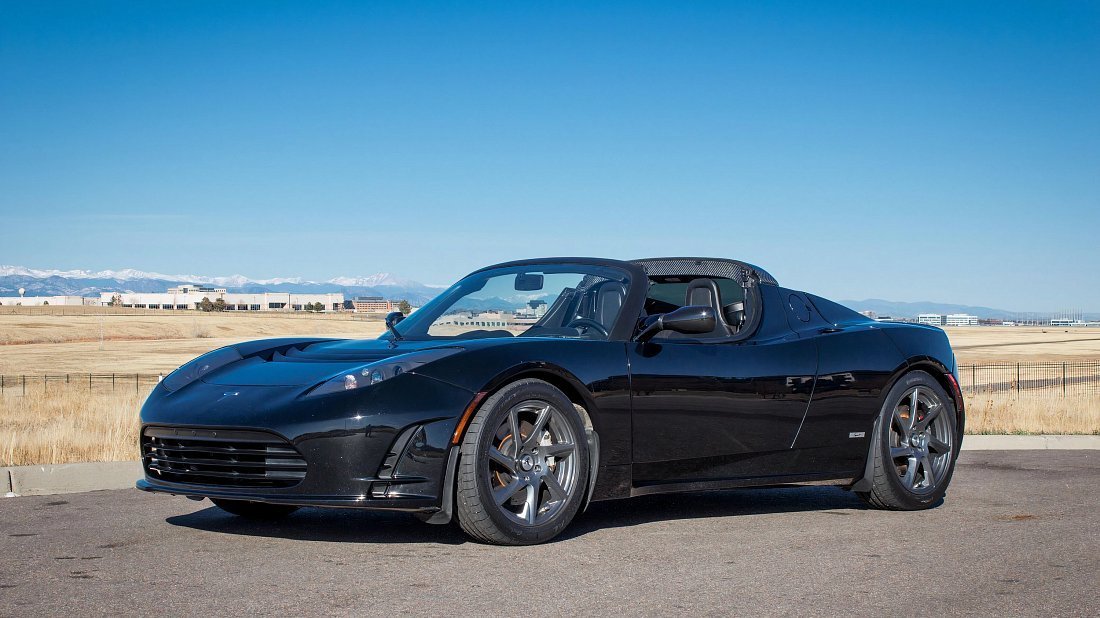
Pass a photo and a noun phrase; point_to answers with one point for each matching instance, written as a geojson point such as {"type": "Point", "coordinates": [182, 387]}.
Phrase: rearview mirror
{"type": "Point", "coordinates": [528, 282]}
{"type": "Point", "coordinates": [690, 320]}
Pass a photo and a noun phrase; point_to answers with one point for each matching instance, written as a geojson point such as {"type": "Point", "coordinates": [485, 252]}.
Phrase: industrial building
{"type": "Point", "coordinates": [951, 319]}
{"type": "Point", "coordinates": [373, 304]}
{"type": "Point", "coordinates": [931, 319]}
{"type": "Point", "coordinates": [961, 319]}
{"type": "Point", "coordinates": [189, 297]}
{"type": "Point", "coordinates": [37, 301]}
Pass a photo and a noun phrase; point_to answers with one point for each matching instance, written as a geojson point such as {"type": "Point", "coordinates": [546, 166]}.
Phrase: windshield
{"type": "Point", "coordinates": [541, 300]}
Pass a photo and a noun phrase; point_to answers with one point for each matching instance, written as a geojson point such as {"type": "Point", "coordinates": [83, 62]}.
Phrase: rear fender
{"type": "Point", "coordinates": [920, 363]}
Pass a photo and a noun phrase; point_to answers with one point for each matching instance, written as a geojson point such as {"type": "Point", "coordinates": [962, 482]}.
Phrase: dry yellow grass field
{"type": "Point", "coordinates": [1008, 344]}
{"type": "Point", "coordinates": [60, 423]}
{"type": "Point", "coordinates": [1037, 412]}
{"type": "Point", "coordinates": [67, 423]}
{"type": "Point", "coordinates": [41, 342]}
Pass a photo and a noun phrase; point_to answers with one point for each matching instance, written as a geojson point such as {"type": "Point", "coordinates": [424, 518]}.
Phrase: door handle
{"type": "Point", "coordinates": [830, 329]}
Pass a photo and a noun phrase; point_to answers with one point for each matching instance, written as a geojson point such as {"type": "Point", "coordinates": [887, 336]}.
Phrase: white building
{"type": "Point", "coordinates": [37, 301]}
{"type": "Point", "coordinates": [189, 297]}
{"type": "Point", "coordinates": [1067, 322]}
{"type": "Point", "coordinates": [932, 319]}
{"type": "Point", "coordinates": [961, 319]}
{"type": "Point", "coordinates": [482, 319]}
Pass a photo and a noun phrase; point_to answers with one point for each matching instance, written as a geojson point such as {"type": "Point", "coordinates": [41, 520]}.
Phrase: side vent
{"type": "Point", "coordinates": [385, 471]}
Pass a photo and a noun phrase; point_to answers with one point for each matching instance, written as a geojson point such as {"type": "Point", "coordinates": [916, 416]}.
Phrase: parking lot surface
{"type": "Point", "coordinates": [1018, 534]}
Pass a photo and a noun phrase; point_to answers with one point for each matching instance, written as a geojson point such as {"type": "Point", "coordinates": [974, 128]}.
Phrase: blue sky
{"type": "Point", "coordinates": [944, 151]}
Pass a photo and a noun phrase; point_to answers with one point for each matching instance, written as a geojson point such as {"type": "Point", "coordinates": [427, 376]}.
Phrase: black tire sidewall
{"type": "Point", "coordinates": [495, 412]}
{"type": "Point", "coordinates": [902, 494]}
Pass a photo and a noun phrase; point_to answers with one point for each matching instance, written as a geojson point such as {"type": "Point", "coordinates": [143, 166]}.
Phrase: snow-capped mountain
{"type": "Point", "coordinates": [51, 282]}
{"type": "Point", "coordinates": [374, 280]}
{"type": "Point", "coordinates": [130, 274]}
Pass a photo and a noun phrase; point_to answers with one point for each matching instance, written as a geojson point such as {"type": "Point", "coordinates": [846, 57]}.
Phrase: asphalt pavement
{"type": "Point", "coordinates": [1019, 534]}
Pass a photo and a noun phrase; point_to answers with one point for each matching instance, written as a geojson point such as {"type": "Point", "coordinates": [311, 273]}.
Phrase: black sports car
{"type": "Point", "coordinates": [530, 388]}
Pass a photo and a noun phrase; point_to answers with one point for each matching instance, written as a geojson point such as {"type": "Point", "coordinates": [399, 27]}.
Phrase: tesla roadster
{"type": "Point", "coordinates": [531, 388]}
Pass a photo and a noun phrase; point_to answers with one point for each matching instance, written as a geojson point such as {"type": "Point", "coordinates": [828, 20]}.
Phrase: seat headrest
{"type": "Point", "coordinates": [609, 301]}
{"type": "Point", "coordinates": [705, 292]}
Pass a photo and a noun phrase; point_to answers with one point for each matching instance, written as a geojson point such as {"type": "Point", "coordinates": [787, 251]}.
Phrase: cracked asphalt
{"type": "Point", "coordinates": [1018, 534]}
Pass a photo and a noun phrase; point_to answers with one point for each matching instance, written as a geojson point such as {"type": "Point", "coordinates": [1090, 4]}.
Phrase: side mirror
{"type": "Point", "coordinates": [690, 320]}
{"type": "Point", "coordinates": [393, 318]}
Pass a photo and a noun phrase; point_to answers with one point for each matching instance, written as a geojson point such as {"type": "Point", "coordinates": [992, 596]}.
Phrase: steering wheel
{"type": "Point", "coordinates": [587, 323]}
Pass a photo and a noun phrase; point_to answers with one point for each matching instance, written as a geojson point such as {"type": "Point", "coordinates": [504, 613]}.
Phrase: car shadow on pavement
{"type": "Point", "coordinates": [727, 503]}
{"type": "Point", "coordinates": [355, 526]}
{"type": "Point", "coordinates": [333, 525]}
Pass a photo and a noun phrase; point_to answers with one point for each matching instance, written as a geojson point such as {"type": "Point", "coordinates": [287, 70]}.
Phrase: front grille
{"type": "Point", "coordinates": [224, 457]}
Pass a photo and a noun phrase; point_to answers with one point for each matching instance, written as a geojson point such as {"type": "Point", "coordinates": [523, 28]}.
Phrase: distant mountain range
{"type": "Point", "coordinates": [897, 309]}
{"type": "Point", "coordinates": [88, 283]}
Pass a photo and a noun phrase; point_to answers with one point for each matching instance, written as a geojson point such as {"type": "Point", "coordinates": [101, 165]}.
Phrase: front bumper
{"type": "Point", "coordinates": [385, 447]}
{"type": "Point", "coordinates": [410, 504]}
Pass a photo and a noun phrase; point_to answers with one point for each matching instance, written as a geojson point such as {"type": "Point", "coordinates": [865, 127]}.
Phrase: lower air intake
{"type": "Point", "coordinates": [221, 457]}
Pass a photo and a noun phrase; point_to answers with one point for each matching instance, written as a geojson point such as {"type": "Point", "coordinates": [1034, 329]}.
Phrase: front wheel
{"type": "Point", "coordinates": [523, 466]}
{"type": "Point", "coordinates": [254, 510]}
{"type": "Point", "coordinates": [915, 446]}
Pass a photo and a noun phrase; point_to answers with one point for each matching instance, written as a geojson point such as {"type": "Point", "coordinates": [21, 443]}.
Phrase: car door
{"type": "Point", "coordinates": [720, 409]}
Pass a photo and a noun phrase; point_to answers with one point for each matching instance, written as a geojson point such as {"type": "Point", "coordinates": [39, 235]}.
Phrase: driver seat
{"type": "Point", "coordinates": [609, 302]}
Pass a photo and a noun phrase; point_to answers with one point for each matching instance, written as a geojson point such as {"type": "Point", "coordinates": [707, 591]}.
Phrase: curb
{"type": "Point", "coordinates": [1018, 443]}
{"type": "Point", "coordinates": [79, 477]}
{"type": "Point", "coordinates": [69, 478]}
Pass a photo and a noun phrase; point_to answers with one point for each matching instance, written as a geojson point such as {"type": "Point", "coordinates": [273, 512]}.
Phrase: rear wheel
{"type": "Point", "coordinates": [523, 466]}
{"type": "Point", "coordinates": [915, 446]}
{"type": "Point", "coordinates": [254, 510]}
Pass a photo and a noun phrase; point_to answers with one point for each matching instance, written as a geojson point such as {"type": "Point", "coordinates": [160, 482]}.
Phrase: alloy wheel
{"type": "Point", "coordinates": [920, 440]}
{"type": "Point", "coordinates": [531, 468]}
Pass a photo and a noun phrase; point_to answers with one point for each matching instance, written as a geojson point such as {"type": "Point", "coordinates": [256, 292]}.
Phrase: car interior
{"type": "Point", "coordinates": [589, 309]}
{"type": "Point", "coordinates": [733, 303]}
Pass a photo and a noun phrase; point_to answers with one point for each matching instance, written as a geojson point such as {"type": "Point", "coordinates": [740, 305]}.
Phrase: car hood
{"type": "Point", "coordinates": [312, 362]}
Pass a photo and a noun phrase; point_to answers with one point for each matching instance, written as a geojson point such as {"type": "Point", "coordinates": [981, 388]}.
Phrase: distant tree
{"type": "Point", "coordinates": [205, 304]}
{"type": "Point", "coordinates": [219, 305]}
{"type": "Point", "coordinates": [45, 302]}
{"type": "Point", "coordinates": [116, 301]}
{"type": "Point", "coordinates": [404, 307]}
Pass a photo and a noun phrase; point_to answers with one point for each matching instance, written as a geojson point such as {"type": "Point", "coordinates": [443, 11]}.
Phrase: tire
{"type": "Point", "coordinates": [525, 492]}
{"type": "Point", "coordinates": [254, 510]}
{"type": "Point", "coordinates": [913, 455]}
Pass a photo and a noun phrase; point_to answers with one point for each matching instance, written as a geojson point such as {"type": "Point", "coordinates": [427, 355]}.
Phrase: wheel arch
{"type": "Point", "coordinates": [946, 379]}
{"type": "Point", "coordinates": [552, 374]}
{"type": "Point", "coordinates": [943, 376]}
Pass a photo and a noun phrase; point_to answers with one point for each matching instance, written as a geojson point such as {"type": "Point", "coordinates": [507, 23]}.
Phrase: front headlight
{"type": "Point", "coordinates": [376, 372]}
{"type": "Point", "coordinates": [201, 366]}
